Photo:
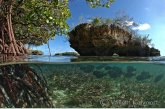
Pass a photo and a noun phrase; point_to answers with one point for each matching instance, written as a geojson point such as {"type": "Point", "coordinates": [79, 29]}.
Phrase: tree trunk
{"type": "Point", "coordinates": [3, 38]}
{"type": "Point", "coordinates": [11, 47]}
{"type": "Point", "coordinates": [49, 48]}
{"type": "Point", "coordinates": [13, 44]}
{"type": "Point", "coordinates": [7, 38]}
{"type": "Point", "coordinates": [28, 47]}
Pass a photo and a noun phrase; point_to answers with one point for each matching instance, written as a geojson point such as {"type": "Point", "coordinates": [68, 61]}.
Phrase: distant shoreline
{"type": "Point", "coordinates": [36, 52]}
{"type": "Point", "coordinates": [67, 54]}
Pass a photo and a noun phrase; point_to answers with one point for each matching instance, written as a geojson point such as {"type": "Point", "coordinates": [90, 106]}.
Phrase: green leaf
{"type": "Point", "coordinates": [45, 18]}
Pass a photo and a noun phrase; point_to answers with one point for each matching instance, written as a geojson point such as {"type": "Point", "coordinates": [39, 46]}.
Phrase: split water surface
{"type": "Point", "coordinates": [96, 84]}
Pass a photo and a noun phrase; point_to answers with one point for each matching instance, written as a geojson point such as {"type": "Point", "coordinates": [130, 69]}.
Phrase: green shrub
{"type": "Point", "coordinates": [37, 52]}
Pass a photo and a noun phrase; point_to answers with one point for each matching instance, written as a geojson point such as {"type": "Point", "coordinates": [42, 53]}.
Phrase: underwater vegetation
{"type": "Point", "coordinates": [83, 85]}
{"type": "Point", "coordinates": [104, 85]}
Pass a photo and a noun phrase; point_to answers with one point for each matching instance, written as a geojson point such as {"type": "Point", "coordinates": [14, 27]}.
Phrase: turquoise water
{"type": "Point", "coordinates": [126, 84]}
{"type": "Point", "coordinates": [84, 84]}
{"type": "Point", "coordinates": [46, 58]}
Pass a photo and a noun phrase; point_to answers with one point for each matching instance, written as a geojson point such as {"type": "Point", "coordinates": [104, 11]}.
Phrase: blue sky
{"type": "Point", "coordinates": [150, 13]}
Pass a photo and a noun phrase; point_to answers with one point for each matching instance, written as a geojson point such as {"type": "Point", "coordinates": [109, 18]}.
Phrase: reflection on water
{"type": "Point", "coordinates": [101, 84]}
{"type": "Point", "coordinates": [35, 58]}
{"type": "Point", "coordinates": [47, 58]}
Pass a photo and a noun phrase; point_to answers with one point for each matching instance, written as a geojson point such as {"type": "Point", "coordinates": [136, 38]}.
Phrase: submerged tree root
{"type": "Point", "coordinates": [21, 86]}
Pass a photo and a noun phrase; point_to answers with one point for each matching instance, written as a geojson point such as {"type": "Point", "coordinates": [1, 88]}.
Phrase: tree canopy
{"type": "Point", "coordinates": [37, 21]}
{"type": "Point", "coordinates": [34, 22]}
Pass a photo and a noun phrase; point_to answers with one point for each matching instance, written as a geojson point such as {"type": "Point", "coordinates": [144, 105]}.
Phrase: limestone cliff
{"type": "Point", "coordinates": [89, 40]}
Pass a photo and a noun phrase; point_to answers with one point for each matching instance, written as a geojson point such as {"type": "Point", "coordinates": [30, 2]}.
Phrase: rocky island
{"type": "Point", "coordinates": [67, 54]}
{"type": "Point", "coordinates": [36, 52]}
{"type": "Point", "coordinates": [104, 40]}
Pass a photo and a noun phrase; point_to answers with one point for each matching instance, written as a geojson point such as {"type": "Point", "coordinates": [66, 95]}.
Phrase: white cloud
{"type": "Point", "coordinates": [144, 26]}
{"type": "Point", "coordinates": [128, 23]}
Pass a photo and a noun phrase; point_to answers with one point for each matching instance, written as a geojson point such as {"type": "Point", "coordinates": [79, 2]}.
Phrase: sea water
{"type": "Point", "coordinates": [103, 84]}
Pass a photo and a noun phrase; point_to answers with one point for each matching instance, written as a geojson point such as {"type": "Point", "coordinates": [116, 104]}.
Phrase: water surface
{"type": "Point", "coordinates": [100, 84]}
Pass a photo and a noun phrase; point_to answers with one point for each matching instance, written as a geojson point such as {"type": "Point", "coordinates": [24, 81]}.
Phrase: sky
{"type": "Point", "coordinates": [149, 13]}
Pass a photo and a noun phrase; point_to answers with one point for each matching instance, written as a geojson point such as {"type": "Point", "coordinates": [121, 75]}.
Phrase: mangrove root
{"type": "Point", "coordinates": [21, 86]}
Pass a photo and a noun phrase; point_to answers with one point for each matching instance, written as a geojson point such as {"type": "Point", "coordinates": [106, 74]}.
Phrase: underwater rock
{"type": "Point", "coordinates": [158, 78]}
{"type": "Point", "coordinates": [130, 69]}
{"type": "Point", "coordinates": [98, 74]}
{"type": "Point", "coordinates": [144, 75]}
{"type": "Point", "coordinates": [108, 68]}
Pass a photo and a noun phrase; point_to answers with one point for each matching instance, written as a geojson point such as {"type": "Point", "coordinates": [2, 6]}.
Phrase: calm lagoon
{"type": "Point", "coordinates": [76, 82]}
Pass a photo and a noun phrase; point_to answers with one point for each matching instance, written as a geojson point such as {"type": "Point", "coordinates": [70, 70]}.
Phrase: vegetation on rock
{"type": "Point", "coordinates": [124, 21]}
{"type": "Point", "coordinates": [67, 54]}
{"type": "Point", "coordinates": [117, 36]}
{"type": "Point", "coordinates": [36, 52]}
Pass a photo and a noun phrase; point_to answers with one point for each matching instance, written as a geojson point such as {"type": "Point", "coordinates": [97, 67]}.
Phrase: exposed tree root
{"type": "Point", "coordinates": [21, 86]}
